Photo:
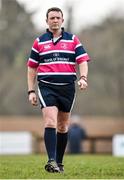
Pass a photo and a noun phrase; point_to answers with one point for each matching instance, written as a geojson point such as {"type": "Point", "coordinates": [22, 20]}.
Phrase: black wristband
{"type": "Point", "coordinates": [84, 78]}
{"type": "Point", "coordinates": [31, 91]}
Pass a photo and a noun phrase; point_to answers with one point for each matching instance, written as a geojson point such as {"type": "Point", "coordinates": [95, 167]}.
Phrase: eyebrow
{"type": "Point", "coordinates": [53, 17]}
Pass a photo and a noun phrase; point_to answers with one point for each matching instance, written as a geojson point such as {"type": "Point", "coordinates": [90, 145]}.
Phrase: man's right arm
{"type": "Point", "coordinates": [31, 77]}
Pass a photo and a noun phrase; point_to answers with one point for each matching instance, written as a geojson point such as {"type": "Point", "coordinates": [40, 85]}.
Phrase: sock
{"type": "Point", "coordinates": [50, 142]}
{"type": "Point", "coordinates": [61, 145]}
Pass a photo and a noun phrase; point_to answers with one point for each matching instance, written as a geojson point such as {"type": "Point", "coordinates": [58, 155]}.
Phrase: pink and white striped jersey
{"type": "Point", "coordinates": [56, 61]}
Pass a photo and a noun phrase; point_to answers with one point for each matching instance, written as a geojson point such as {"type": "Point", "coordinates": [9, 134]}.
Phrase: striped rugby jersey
{"type": "Point", "coordinates": [56, 61]}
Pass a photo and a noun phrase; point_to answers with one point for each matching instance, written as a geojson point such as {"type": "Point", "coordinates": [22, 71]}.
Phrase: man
{"type": "Point", "coordinates": [53, 59]}
{"type": "Point", "coordinates": [76, 135]}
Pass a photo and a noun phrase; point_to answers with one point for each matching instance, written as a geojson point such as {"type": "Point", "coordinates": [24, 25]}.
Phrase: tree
{"type": "Point", "coordinates": [16, 31]}
{"type": "Point", "coordinates": [105, 44]}
{"type": "Point", "coordinates": [16, 36]}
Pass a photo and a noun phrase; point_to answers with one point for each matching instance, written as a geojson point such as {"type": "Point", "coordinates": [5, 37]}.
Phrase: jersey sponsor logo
{"type": "Point", "coordinates": [56, 54]}
{"type": "Point", "coordinates": [47, 46]}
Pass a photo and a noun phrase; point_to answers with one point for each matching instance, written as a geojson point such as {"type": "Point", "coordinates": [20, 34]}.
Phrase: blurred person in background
{"type": "Point", "coordinates": [53, 60]}
{"type": "Point", "coordinates": [76, 135]}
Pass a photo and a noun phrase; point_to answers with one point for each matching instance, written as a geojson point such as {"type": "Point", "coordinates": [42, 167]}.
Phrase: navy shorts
{"type": "Point", "coordinates": [61, 96]}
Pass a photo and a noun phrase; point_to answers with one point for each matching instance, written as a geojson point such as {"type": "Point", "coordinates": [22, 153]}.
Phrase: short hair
{"type": "Point", "coordinates": [53, 9]}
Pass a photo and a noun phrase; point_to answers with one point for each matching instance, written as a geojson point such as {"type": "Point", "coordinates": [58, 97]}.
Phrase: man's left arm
{"type": "Point", "coordinates": [83, 70]}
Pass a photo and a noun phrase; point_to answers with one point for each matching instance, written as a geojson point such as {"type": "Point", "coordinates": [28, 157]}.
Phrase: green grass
{"type": "Point", "coordinates": [76, 167]}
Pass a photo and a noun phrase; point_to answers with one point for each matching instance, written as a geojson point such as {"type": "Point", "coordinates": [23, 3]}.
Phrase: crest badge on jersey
{"type": "Point", "coordinates": [64, 46]}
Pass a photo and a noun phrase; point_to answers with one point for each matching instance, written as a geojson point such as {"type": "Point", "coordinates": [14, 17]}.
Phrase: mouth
{"type": "Point", "coordinates": [55, 24]}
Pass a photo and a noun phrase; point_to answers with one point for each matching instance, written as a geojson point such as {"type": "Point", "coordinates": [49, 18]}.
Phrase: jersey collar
{"type": "Point", "coordinates": [51, 35]}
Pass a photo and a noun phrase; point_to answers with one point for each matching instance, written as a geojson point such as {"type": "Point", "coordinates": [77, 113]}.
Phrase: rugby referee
{"type": "Point", "coordinates": [53, 60]}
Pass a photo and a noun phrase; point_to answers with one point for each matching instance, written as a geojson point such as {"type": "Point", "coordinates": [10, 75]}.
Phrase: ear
{"type": "Point", "coordinates": [62, 20]}
{"type": "Point", "coordinates": [47, 21]}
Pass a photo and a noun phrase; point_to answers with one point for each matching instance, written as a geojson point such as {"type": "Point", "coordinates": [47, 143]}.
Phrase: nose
{"type": "Point", "coordinates": [55, 19]}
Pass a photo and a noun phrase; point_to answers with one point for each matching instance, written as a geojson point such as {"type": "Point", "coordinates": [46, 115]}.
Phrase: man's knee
{"type": "Point", "coordinates": [50, 122]}
{"type": "Point", "coordinates": [62, 128]}
{"type": "Point", "coordinates": [50, 116]}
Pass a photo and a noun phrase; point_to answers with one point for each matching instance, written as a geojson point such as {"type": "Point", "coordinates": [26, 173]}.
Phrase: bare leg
{"type": "Point", "coordinates": [50, 116]}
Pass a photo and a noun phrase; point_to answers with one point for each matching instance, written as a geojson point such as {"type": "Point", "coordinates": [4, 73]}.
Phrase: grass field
{"type": "Point", "coordinates": [76, 167]}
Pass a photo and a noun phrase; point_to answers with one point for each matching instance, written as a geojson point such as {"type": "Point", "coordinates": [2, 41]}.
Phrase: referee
{"type": "Point", "coordinates": [53, 60]}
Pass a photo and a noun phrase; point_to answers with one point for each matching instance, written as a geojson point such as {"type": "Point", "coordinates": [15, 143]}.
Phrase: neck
{"type": "Point", "coordinates": [56, 33]}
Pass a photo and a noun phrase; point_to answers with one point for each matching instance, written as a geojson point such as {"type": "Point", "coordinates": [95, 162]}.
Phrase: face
{"type": "Point", "coordinates": [54, 20]}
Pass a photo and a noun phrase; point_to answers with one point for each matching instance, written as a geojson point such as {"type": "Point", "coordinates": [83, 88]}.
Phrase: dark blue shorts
{"type": "Point", "coordinates": [61, 96]}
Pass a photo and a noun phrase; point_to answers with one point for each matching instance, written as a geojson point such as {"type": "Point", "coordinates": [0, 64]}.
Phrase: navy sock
{"type": "Point", "coordinates": [61, 145]}
{"type": "Point", "coordinates": [50, 142]}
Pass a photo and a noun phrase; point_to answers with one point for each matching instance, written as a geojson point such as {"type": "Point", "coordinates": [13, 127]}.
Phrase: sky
{"type": "Point", "coordinates": [86, 12]}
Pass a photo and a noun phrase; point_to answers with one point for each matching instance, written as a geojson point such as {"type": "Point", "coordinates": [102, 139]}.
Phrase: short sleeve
{"type": "Point", "coordinates": [33, 60]}
{"type": "Point", "coordinates": [80, 53]}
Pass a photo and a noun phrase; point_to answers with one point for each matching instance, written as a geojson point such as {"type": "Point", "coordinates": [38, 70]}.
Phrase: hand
{"type": "Point", "coordinates": [82, 84]}
{"type": "Point", "coordinates": [33, 99]}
